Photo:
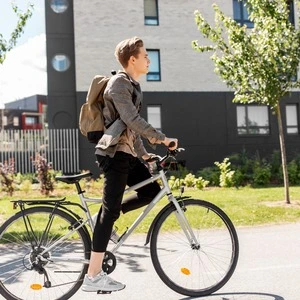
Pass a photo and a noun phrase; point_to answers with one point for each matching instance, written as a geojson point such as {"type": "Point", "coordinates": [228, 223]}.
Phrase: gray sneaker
{"type": "Point", "coordinates": [101, 282]}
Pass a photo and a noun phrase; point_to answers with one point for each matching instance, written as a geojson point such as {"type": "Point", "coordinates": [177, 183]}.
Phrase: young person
{"type": "Point", "coordinates": [118, 153]}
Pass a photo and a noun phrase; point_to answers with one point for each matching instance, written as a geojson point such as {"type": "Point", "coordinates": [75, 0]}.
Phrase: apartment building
{"type": "Point", "coordinates": [182, 95]}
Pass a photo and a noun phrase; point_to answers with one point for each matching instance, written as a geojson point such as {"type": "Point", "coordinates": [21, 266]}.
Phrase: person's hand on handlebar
{"type": "Point", "coordinates": [151, 157]}
{"type": "Point", "coordinates": [171, 143]}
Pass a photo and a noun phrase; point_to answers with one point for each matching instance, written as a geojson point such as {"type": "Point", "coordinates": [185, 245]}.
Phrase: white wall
{"type": "Point", "coordinates": [100, 25]}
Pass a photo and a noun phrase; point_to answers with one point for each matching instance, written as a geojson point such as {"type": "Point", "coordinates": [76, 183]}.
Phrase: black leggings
{"type": "Point", "coordinates": [121, 170]}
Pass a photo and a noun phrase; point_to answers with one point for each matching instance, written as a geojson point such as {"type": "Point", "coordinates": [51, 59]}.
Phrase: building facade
{"type": "Point", "coordinates": [26, 113]}
{"type": "Point", "coordinates": [182, 95]}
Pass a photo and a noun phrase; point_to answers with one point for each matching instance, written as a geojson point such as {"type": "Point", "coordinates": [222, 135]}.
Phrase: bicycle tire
{"type": "Point", "coordinates": [181, 266]}
{"type": "Point", "coordinates": [18, 278]}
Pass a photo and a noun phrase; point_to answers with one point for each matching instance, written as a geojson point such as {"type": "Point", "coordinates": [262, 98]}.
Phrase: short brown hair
{"type": "Point", "coordinates": [127, 48]}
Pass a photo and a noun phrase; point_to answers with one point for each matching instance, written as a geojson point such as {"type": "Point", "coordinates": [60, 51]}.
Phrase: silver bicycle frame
{"type": "Point", "coordinates": [165, 190]}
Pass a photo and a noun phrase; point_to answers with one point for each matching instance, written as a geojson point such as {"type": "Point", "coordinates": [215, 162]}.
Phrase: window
{"type": "Point", "coordinates": [154, 68]}
{"type": "Point", "coordinates": [30, 120]}
{"type": "Point", "coordinates": [291, 11]}
{"type": "Point", "coordinates": [59, 6]}
{"type": "Point", "coordinates": [154, 116]}
{"type": "Point", "coordinates": [60, 62]}
{"type": "Point", "coordinates": [291, 111]}
{"type": "Point", "coordinates": [240, 13]}
{"type": "Point", "coordinates": [4, 121]}
{"type": "Point", "coordinates": [16, 121]}
{"type": "Point", "coordinates": [253, 120]}
{"type": "Point", "coordinates": [151, 12]}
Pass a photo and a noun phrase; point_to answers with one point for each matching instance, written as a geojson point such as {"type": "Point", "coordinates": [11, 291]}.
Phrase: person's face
{"type": "Point", "coordinates": [142, 62]}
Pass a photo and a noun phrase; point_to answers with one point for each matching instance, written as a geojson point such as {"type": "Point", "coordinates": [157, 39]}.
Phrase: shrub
{"type": "Point", "coordinates": [175, 183]}
{"type": "Point", "coordinates": [211, 174]}
{"type": "Point", "coordinates": [275, 163]}
{"type": "Point", "coordinates": [7, 172]}
{"type": "Point", "coordinates": [189, 180]}
{"type": "Point", "coordinates": [262, 175]}
{"type": "Point", "coordinates": [239, 178]}
{"type": "Point", "coordinates": [201, 183]}
{"type": "Point", "coordinates": [181, 172]}
{"type": "Point", "coordinates": [226, 174]}
{"type": "Point", "coordinates": [44, 174]}
{"type": "Point", "coordinates": [26, 186]}
{"type": "Point", "coordinates": [293, 171]}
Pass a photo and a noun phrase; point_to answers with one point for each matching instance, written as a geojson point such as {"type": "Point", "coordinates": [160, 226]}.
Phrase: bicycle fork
{"type": "Point", "coordinates": [189, 233]}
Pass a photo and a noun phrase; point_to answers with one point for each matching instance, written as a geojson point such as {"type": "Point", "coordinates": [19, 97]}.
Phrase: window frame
{"type": "Point", "coordinates": [59, 6]}
{"type": "Point", "coordinates": [158, 73]}
{"type": "Point", "coordinates": [248, 128]}
{"type": "Point", "coordinates": [160, 118]}
{"type": "Point", "coordinates": [242, 20]}
{"type": "Point", "coordinates": [296, 126]}
{"type": "Point", "coordinates": [31, 120]}
{"type": "Point", "coordinates": [61, 62]}
{"type": "Point", "coordinates": [151, 20]}
{"type": "Point", "coordinates": [16, 121]}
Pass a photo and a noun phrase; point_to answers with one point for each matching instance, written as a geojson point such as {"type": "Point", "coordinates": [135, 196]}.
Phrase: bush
{"type": "Point", "coordinates": [45, 174]}
{"type": "Point", "coordinates": [211, 174]}
{"type": "Point", "coordinates": [262, 175]}
{"type": "Point", "coordinates": [175, 183]}
{"type": "Point", "coordinates": [226, 174]}
{"type": "Point", "coordinates": [181, 172]}
{"type": "Point", "coordinates": [201, 183]}
{"type": "Point", "coordinates": [189, 180]}
{"type": "Point", "coordinates": [26, 186]}
{"type": "Point", "coordinates": [293, 171]}
{"type": "Point", "coordinates": [7, 173]}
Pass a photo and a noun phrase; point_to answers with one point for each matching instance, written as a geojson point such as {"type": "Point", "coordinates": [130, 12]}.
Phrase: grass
{"type": "Point", "coordinates": [245, 206]}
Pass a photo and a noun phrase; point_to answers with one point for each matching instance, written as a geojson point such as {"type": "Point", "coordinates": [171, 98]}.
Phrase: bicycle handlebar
{"type": "Point", "coordinates": [170, 153]}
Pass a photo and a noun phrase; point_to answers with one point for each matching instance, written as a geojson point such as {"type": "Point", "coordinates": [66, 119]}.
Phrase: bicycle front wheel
{"type": "Point", "coordinates": [58, 272]}
{"type": "Point", "coordinates": [194, 267]}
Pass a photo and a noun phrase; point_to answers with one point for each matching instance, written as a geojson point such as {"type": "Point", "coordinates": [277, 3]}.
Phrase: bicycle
{"type": "Point", "coordinates": [45, 246]}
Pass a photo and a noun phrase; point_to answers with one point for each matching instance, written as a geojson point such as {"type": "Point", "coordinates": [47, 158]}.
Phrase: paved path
{"type": "Point", "coordinates": [268, 269]}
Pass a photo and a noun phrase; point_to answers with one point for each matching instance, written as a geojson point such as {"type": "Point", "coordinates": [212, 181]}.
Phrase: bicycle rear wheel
{"type": "Point", "coordinates": [57, 275]}
{"type": "Point", "coordinates": [194, 268]}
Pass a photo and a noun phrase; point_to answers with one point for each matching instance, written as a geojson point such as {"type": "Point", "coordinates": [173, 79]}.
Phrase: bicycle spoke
{"type": "Point", "coordinates": [194, 269]}
{"type": "Point", "coordinates": [25, 273]}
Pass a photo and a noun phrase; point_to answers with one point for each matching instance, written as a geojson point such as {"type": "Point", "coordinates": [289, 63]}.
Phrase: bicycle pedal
{"type": "Point", "coordinates": [103, 292]}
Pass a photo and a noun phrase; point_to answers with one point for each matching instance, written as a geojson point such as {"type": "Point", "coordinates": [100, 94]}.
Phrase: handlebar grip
{"type": "Point", "coordinates": [172, 144]}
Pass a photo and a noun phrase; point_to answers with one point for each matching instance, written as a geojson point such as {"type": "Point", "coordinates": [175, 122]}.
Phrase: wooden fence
{"type": "Point", "coordinates": [59, 146]}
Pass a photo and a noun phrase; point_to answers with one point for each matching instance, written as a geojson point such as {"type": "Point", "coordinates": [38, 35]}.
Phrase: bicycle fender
{"type": "Point", "coordinates": [155, 220]}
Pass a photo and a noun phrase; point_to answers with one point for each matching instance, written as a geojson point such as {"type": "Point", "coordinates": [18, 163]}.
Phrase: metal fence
{"type": "Point", "coordinates": [59, 146]}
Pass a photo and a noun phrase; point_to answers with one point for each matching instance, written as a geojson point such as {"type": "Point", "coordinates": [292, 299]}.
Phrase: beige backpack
{"type": "Point", "coordinates": [91, 121]}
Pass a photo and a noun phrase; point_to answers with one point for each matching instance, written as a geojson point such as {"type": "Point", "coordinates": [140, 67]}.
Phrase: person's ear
{"type": "Point", "coordinates": [132, 59]}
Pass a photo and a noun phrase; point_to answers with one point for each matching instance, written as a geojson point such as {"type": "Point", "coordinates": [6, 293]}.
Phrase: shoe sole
{"type": "Point", "coordinates": [87, 289]}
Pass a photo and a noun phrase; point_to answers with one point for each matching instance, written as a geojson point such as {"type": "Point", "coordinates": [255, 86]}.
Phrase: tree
{"type": "Point", "coordinates": [23, 17]}
{"type": "Point", "coordinates": [259, 64]}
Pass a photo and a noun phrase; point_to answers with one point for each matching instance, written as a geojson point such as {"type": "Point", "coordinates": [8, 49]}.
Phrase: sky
{"type": "Point", "coordinates": [23, 72]}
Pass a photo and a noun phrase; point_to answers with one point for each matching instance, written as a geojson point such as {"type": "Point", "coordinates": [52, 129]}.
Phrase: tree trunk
{"type": "Point", "coordinates": [283, 155]}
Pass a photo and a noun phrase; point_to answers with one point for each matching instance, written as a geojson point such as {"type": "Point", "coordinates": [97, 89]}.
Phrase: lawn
{"type": "Point", "coordinates": [245, 206]}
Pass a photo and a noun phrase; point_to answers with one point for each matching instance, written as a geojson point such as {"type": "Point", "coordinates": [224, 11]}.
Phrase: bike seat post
{"type": "Point", "coordinates": [78, 187]}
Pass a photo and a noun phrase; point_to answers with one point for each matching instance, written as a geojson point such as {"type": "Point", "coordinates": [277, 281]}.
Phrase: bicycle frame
{"type": "Point", "coordinates": [166, 190]}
